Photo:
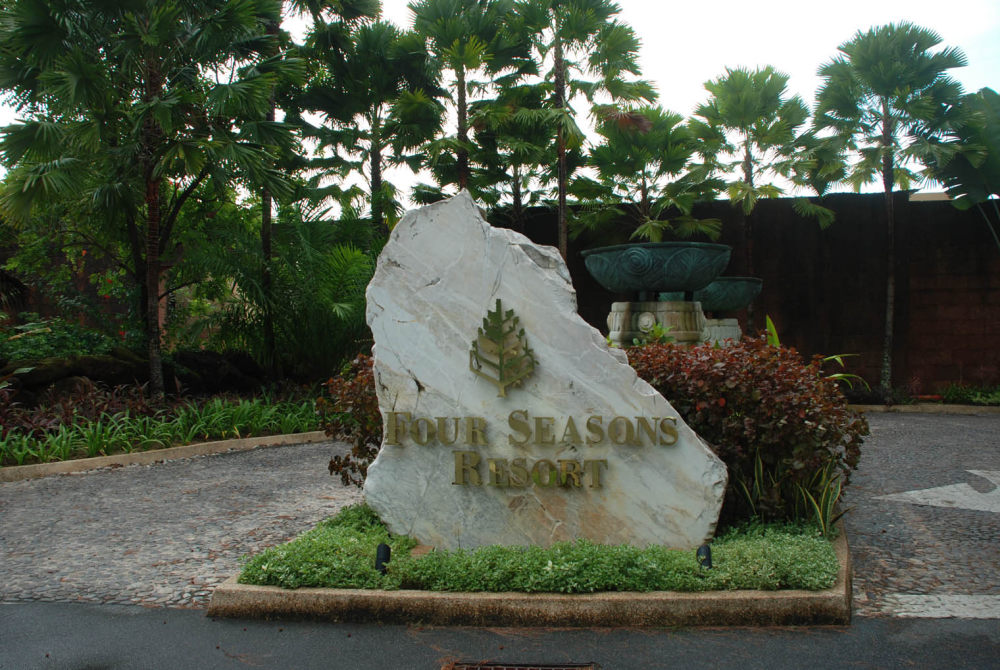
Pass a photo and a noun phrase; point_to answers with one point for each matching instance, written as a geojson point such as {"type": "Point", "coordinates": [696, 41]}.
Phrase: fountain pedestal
{"type": "Point", "coordinates": [628, 321]}
{"type": "Point", "coordinates": [721, 330]}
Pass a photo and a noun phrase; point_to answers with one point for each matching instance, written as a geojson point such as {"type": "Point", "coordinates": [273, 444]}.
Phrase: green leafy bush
{"type": "Point", "coordinates": [782, 427]}
{"type": "Point", "coordinates": [340, 553]}
{"type": "Point", "coordinates": [962, 394]}
{"type": "Point", "coordinates": [50, 338]}
{"type": "Point", "coordinates": [351, 413]}
{"type": "Point", "coordinates": [94, 421]}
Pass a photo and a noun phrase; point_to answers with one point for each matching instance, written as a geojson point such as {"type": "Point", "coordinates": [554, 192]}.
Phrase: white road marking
{"type": "Point", "coordinates": [960, 496]}
{"type": "Point", "coordinates": [945, 606]}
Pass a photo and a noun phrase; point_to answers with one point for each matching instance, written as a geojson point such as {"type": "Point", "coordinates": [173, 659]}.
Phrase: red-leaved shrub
{"type": "Point", "coordinates": [782, 428]}
{"type": "Point", "coordinates": [351, 413]}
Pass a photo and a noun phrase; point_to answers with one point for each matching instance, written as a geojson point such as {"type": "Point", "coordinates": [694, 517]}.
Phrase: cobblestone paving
{"type": "Point", "coordinates": [909, 556]}
{"type": "Point", "coordinates": [166, 534]}
{"type": "Point", "coordinates": [163, 534]}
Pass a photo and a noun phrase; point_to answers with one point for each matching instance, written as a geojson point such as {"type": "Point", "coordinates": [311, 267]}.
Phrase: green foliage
{"type": "Point", "coordinates": [39, 338]}
{"type": "Point", "coordinates": [351, 413]}
{"type": "Point", "coordinates": [656, 335]}
{"type": "Point", "coordinates": [748, 131]}
{"type": "Point", "coordinates": [963, 394]}
{"type": "Point", "coordinates": [775, 421]}
{"type": "Point", "coordinates": [340, 553]}
{"type": "Point", "coordinates": [643, 159]}
{"type": "Point", "coordinates": [340, 550]}
{"type": "Point", "coordinates": [98, 422]}
{"type": "Point", "coordinates": [967, 160]}
{"type": "Point", "coordinates": [316, 300]}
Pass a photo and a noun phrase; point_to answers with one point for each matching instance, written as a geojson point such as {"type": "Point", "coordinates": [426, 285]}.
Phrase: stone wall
{"type": "Point", "coordinates": [825, 289]}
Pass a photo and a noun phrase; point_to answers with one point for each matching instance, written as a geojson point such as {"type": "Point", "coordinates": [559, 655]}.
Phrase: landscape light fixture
{"type": "Point", "coordinates": [382, 554]}
{"type": "Point", "coordinates": [704, 555]}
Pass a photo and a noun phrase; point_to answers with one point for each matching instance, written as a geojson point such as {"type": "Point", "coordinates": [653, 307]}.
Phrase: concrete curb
{"type": "Point", "coordinates": [16, 473]}
{"type": "Point", "coordinates": [929, 408]}
{"type": "Point", "coordinates": [716, 608]}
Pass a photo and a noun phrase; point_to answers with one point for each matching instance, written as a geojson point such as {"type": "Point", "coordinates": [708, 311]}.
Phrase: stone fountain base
{"type": "Point", "coordinates": [628, 321]}
{"type": "Point", "coordinates": [685, 322]}
{"type": "Point", "coordinates": [723, 331]}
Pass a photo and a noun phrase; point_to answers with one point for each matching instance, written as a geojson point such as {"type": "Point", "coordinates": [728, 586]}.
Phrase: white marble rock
{"type": "Point", "coordinates": [442, 270]}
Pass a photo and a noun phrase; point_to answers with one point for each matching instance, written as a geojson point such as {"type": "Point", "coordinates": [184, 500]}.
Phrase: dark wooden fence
{"type": "Point", "coordinates": [825, 289]}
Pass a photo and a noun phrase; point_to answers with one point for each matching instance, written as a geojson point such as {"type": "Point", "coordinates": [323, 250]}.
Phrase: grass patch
{"type": "Point", "coordinates": [340, 553]}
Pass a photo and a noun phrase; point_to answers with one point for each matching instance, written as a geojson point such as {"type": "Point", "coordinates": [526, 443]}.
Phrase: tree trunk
{"type": "Point", "coordinates": [563, 177]}
{"type": "Point", "coordinates": [156, 385]}
{"type": "Point", "coordinates": [266, 280]}
{"type": "Point", "coordinates": [888, 181]}
{"type": "Point", "coordinates": [152, 137]}
{"type": "Point", "coordinates": [746, 221]}
{"type": "Point", "coordinates": [463, 130]}
{"type": "Point", "coordinates": [517, 198]}
{"type": "Point", "coordinates": [379, 226]}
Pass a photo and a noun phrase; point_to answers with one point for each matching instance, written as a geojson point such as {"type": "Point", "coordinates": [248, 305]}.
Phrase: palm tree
{"type": "Point", "coordinates": [885, 86]}
{"type": "Point", "coordinates": [748, 132]}
{"type": "Point", "coordinates": [575, 40]}
{"type": "Point", "coordinates": [511, 145]}
{"type": "Point", "coordinates": [125, 114]}
{"type": "Point", "coordinates": [644, 159]}
{"type": "Point", "coordinates": [470, 38]}
{"type": "Point", "coordinates": [379, 99]}
{"type": "Point", "coordinates": [969, 166]}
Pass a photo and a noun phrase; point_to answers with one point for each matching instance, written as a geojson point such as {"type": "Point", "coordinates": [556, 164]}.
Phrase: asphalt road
{"type": "Point", "coordinates": [924, 531]}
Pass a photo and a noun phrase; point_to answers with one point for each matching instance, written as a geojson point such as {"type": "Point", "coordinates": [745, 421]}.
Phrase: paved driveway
{"type": "Point", "coordinates": [165, 534]}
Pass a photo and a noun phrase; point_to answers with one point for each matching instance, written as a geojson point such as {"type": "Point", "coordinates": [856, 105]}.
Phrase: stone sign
{"type": "Point", "coordinates": [507, 419]}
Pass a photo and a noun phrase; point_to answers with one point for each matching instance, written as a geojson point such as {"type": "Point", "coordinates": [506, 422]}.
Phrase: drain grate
{"type": "Point", "coordinates": [521, 666]}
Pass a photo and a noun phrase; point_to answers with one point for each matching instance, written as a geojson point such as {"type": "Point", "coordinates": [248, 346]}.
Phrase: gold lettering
{"type": "Point", "coordinates": [518, 421]}
{"type": "Point", "coordinates": [595, 429]}
{"type": "Point", "coordinates": [593, 470]}
{"type": "Point", "coordinates": [498, 472]}
{"type": "Point", "coordinates": [668, 427]}
{"type": "Point", "coordinates": [570, 434]}
{"type": "Point", "coordinates": [467, 468]}
{"type": "Point", "coordinates": [647, 427]}
{"type": "Point", "coordinates": [626, 433]}
{"type": "Point", "coordinates": [569, 469]}
{"type": "Point", "coordinates": [394, 427]}
{"type": "Point", "coordinates": [422, 431]}
{"type": "Point", "coordinates": [550, 473]}
{"type": "Point", "coordinates": [475, 431]}
{"type": "Point", "coordinates": [442, 430]}
{"type": "Point", "coordinates": [543, 430]}
{"type": "Point", "coordinates": [518, 473]}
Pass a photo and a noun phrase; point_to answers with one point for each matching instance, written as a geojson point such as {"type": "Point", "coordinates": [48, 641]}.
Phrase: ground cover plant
{"type": "Point", "coordinates": [36, 338]}
{"type": "Point", "coordinates": [340, 553]}
{"type": "Point", "coordinates": [962, 394]}
{"type": "Point", "coordinates": [95, 421]}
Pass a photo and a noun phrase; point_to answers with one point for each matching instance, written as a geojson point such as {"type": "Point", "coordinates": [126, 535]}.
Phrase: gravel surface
{"type": "Point", "coordinates": [162, 534]}
{"type": "Point", "coordinates": [166, 534]}
{"type": "Point", "coordinates": [934, 553]}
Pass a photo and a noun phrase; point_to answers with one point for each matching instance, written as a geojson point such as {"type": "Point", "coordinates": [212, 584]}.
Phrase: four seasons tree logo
{"type": "Point", "coordinates": [501, 353]}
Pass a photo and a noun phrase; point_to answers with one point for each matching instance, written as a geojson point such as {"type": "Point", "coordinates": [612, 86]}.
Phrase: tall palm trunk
{"type": "Point", "coordinates": [746, 222]}
{"type": "Point", "coordinates": [463, 129]}
{"type": "Point", "coordinates": [888, 181]}
{"type": "Point", "coordinates": [379, 226]}
{"type": "Point", "coordinates": [562, 177]}
{"type": "Point", "coordinates": [266, 280]}
{"type": "Point", "coordinates": [152, 137]}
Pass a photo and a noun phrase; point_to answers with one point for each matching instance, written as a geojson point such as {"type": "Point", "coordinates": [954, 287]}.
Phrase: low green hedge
{"type": "Point", "coordinates": [340, 553]}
